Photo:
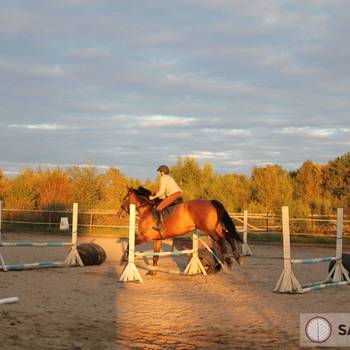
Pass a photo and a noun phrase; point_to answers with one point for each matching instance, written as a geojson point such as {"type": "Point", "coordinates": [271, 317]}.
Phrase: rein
{"type": "Point", "coordinates": [142, 205]}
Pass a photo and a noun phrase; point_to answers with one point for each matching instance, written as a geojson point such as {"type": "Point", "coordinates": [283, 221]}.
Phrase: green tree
{"type": "Point", "coordinates": [232, 190]}
{"type": "Point", "coordinates": [188, 175]}
{"type": "Point", "coordinates": [87, 186]}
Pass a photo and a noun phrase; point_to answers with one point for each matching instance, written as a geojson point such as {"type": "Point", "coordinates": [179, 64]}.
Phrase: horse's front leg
{"type": "Point", "coordinates": [156, 249]}
{"type": "Point", "coordinates": [125, 256]}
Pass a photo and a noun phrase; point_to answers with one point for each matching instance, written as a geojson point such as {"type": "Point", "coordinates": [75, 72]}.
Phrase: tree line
{"type": "Point", "coordinates": [312, 189]}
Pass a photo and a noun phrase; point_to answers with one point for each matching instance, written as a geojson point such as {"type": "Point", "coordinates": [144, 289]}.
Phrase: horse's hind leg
{"type": "Point", "coordinates": [225, 252]}
{"type": "Point", "coordinates": [217, 236]}
{"type": "Point", "coordinates": [236, 248]}
{"type": "Point", "coordinates": [226, 244]}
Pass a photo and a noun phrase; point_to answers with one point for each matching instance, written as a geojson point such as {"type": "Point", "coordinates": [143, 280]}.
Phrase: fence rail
{"type": "Point", "coordinates": [106, 221]}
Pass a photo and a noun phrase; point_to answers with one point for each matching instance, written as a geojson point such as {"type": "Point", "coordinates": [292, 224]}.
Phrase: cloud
{"type": "Point", "coordinates": [89, 53]}
{"type": "Point", "coordinates": [311, 132]}
{"type": "Point", "coordinates": [163, 121]}
{"type": "Point", "coordinates": [234, 82]}
{"type": "Point", "coordinates": [21, 69]}
{"type": "Point", "coordinates": [207, 155]}
{"type": "Point", "coordinates": [38, 126]}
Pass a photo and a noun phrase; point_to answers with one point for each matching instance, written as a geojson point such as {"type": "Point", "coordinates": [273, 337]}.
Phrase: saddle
{"type": "Point", "coordinates": [168, 210]}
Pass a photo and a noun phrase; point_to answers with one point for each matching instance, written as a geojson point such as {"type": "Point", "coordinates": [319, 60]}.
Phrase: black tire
{"type": "Point", "coordinates": [100, 252]}
{"type": "Point", "coordinates": [345, 261]}
{"type": "Point", "coordinates": [208, 261]}
{"type": "Point", "coordinates": [87, 254]}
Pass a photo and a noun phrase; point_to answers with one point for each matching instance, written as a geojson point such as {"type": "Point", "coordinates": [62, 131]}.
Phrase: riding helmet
{"type": "Point", "coordinates": [164, 169]}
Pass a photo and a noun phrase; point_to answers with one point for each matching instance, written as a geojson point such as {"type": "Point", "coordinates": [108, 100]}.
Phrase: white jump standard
{"type": "Point", "coordinates": [73, 258]}
{"type": "Point", "coordinates": [338, 275]}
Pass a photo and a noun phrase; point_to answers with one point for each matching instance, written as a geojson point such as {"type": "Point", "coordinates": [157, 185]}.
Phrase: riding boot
{"type": "Point", "coordinates": [160, 224]}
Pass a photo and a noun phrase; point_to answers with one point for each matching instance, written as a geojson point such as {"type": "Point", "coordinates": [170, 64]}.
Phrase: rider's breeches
{"type": "Point", "coordinates": [168, 200]}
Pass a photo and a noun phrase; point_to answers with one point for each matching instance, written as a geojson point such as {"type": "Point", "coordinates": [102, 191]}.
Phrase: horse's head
{"type": "Point", "coordinates": [138, 196]}
{"type": "Point", "coordinates": [125, 204]}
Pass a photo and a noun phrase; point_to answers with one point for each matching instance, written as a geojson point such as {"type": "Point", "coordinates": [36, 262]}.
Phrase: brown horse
{"type": "Point", "coordinates": [209, 217]}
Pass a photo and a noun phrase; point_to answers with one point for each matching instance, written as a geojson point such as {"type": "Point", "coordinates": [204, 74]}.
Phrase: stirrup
{"type": "Point", "coordinates": [158, 227]}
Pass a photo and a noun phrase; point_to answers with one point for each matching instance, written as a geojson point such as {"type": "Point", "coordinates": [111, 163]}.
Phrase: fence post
{"type": "Point", "coordinates": [246, 251]}
{"type": "Point", "coordinates": [91, 222]}
{"type": "Point", "coordinates": [267, 222]}
{"type": "Point", "coordinates": [49, 220]}
{"type": "Point", "coordinates": [0, 217]}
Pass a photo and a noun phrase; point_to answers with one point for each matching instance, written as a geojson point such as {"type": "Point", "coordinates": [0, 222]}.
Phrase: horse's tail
{"type": "Point", "coordinates": [225, 220]}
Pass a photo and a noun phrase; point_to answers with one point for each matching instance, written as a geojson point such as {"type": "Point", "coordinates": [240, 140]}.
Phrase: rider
{"type": "Point", "coordinates": [169, 191]}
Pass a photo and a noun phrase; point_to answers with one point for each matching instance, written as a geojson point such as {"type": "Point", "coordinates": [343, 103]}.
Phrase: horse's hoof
{"type": "Point", "coordinates": [229, 263]}
{"type": "Point", "coordinates": [151, 273]}
{"type": "Point", "coordinates": [240, 261]}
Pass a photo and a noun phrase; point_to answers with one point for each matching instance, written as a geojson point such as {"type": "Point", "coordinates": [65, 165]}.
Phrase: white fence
{"type": "Point", "coordinates": [91, 221]}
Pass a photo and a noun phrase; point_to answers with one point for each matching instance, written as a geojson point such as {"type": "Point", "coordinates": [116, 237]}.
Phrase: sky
{"type": "Point", "coordinates": [135, 84]}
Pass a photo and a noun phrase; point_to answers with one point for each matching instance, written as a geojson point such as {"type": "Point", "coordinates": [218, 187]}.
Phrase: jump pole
{"type": "Point", "coordinates": [9, 300]}
{"type": "Point", "coordinates": [73, 258]}
{"type": "Point", "coordinates": [194, 266]}
{"type": "Point", "coordinates": [246, 251]}
{"type": "Point", "coordinates": [337, 276]}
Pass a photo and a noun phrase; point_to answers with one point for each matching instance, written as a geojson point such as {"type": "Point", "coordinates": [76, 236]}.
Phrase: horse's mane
{"type": "Point", "coordinates": [143, 192]}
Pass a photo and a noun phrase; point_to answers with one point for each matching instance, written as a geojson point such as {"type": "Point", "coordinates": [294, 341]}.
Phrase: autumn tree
{"type": "Point", "coordinates": [336, 181]}
{"type": "Point", "coordinates": [4, 185]}
{"type": "Point", "coordinates": [271, 188]}
{"type": "Point", "coordinates": [22, 194]}
{"type": "Point", "coordinates": [308, 185]}
{"type": "Point", "coordinates": [113, 188]}
{"type": "Point", "coordinates": [54, 189]}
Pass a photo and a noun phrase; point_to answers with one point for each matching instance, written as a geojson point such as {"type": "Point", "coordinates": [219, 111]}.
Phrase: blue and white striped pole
{"type": "Point", "coordinates": [30, 244]}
